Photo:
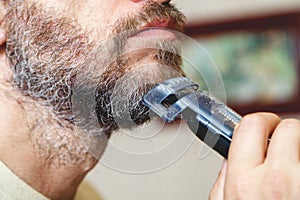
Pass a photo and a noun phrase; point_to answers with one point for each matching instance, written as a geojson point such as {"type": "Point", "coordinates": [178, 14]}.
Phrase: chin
{"type": "Point", "coordinates": [119, 99]}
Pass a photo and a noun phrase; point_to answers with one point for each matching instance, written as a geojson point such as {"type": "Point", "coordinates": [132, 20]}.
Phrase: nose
{"type": "Point", "coordinates": [158, 1]}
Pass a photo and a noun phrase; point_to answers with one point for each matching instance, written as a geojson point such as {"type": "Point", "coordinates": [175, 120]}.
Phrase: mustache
{"type": "Point", "coordinates": [150, 12]}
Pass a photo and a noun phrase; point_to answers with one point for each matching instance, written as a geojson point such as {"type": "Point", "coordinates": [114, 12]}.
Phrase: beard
{"type": "Point", "coordinates": [52, 58]}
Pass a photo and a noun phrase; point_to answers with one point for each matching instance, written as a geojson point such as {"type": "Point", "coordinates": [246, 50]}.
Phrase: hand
{"type": "Point", "coordinates": [258, 169]}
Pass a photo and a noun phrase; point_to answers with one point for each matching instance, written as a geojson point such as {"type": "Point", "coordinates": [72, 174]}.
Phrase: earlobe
{"type": "Point", "coordinates": [2, 35]}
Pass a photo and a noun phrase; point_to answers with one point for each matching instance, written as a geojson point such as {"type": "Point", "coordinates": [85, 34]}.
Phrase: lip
{"type": "Point", "coordinates": [156, 27]}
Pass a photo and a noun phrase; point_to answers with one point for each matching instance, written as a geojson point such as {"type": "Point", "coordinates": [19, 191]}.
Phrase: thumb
{"type": "Point", "coordinates": [217, 192]}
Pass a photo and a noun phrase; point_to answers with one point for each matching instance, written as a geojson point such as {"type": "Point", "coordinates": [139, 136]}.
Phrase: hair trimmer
{"type": "Point", "coordinates": [210, 119]}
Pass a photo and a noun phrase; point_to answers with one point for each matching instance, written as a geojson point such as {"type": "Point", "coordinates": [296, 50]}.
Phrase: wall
{"type": "Point", "coordinates": [187, 176]}
{"type": "Point", "coordinates": [201, 11]}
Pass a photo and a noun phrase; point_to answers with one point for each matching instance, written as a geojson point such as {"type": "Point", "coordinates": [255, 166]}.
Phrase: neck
{"type": "Point", "coordinates": [45, 172]}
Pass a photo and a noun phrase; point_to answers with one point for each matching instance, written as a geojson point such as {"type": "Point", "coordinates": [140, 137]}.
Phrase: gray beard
{"type": "Point", "coordinates": [51, 58]}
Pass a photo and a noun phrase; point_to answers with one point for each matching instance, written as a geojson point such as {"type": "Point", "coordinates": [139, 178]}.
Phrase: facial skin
{"type": "Point", "coordinates": [53, 47]}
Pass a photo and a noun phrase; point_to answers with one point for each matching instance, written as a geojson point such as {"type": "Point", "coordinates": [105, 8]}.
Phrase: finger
{"type": "Point", "coordinates": [217, 192]}
{"type": "Point", "coordinates": [250, 140]}
{"type": "Point", "coordinates": [285, 142]}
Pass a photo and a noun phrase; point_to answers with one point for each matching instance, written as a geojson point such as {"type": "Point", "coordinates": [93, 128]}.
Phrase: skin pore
{"type": "Point", "coordinates": [48, 48]}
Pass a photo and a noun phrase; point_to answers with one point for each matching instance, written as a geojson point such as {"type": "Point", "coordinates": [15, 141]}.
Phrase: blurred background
{"type": "Point", "coordinates": [255, 45]}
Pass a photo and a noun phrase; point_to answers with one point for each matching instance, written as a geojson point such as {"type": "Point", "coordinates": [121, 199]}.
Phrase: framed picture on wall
{"type": "Point", "coordinates": [258, 60]}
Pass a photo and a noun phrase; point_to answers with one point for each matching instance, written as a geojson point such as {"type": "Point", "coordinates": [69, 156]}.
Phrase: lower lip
{"type": "Point", "coordinates": [156, 32]}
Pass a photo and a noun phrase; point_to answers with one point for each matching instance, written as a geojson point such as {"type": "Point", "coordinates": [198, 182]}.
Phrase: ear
{"type": "Point", "coordinates": [5, 71]}
{"type": "Point", "coordinates": [2, 25]}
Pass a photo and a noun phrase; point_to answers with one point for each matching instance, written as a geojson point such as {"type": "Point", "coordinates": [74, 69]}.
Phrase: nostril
{"type": "Point", "coordinates": [166, 3]}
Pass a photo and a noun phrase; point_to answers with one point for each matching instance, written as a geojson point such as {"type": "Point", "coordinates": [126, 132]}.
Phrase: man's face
{"type": "Point", "coordinates": [99, 45]}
